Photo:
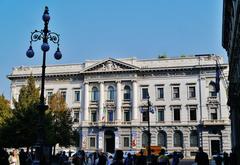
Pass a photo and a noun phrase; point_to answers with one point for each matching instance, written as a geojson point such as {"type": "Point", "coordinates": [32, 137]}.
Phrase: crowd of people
{"type": "Point", "coordinates": [15, 157]}
{"type": "Point", "coordinates": [100, 158]}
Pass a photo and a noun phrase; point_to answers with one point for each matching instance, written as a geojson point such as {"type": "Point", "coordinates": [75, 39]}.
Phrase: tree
{"type": "Point", "coordinates": [21, 129]}
{"type": "Point", "coordinates": [61, 121]}
{"type": "Point", "coordinates": [5, 110]}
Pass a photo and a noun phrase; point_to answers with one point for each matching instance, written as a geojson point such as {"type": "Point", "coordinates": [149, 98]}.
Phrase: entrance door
{"type": "Point", "coordinates": [215, 146]}
{"type": "Point", "coordinates": [109, 141]}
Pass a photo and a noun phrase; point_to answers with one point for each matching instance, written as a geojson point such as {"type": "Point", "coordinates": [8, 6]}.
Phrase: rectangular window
{"type": "Point", "coordinates": [160, 115]}
{"type": "Point", "coordinates": [213, 113]}
{"type": "Point", "coordinates": [49, 95]}
{"type": "Point", "coordinates": [93, 116]}
{"type": "Point", "coordinates": [76, 95]}
{"type": "Point", "coordinates": [176, 114]}
{"type": "Point", "coordinates": [110, 115]}
{"type": "Point", "coordinates": [144, 93]}
{"type": "Point", "coordinates": [145, 115]}
{"type": "Point", "coordinates": [176, 93]}
{"type": "Point", "coordinates": [126, 142]}
{"type": "Point", "coordinates": [76, 117]}
{"type": "Point", "coordinates": [92, 143]}
{"type": "Point", "coordinates": [160, 93]}
{"type": "Point", "coordinates": [64, 94]}
{"type": "Point", "coordinates": [193, 114]}
{"type": "Point", "coordinates": [126, 115]}
{"type": "Point", "coordinates": [192, 92]}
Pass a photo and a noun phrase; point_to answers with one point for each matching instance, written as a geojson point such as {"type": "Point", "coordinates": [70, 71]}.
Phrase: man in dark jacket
{"type": "Point", "coordinates": [202, 157]}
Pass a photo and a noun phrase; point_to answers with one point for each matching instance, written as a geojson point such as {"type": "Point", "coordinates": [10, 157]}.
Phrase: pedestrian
{"type": "Point", "coordinates": [163, 159]}
{"type": "Point", "coordinates": [128, 160]}
{"type": "Point", "coordinates": [4, 157]}
{"type": "Point", "coordinates": [201, 157]}
{"type": "Point", "coordinates": [22, 157]}
{"type": "Point", "coordinates": [102, 159]}
{"type": "Point", "coordinates": [175, 158]}
{"type": "Point", "coordinates": [14, 158]}
{"type": "Point", "coordinates": [218, 159]}
{"type": "Point", "coordinates": [141, 160]}
{"type": "Point", "coordinates": [63, 158]}
{"type": "Point", "coordinates": [118, 158]}
{"type": "Point", "coordinates": [226, 159]}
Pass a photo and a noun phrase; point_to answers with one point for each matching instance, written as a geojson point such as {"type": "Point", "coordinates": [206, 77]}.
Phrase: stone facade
{"type": "Point", "coordinates": [109, 102]}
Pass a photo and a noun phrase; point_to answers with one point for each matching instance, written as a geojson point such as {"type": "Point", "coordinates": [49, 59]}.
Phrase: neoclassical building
{"type": "Point", "coordinates": [109, 102]}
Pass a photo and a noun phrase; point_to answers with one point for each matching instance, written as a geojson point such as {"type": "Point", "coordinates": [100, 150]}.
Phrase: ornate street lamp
{"type": "Point", "coordinates": [149, 161]}
{"type": "Point", "coordinates": [45, 35]}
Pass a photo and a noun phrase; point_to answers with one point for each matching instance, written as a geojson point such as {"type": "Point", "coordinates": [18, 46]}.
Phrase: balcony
{"type": "Point", "coordinates": [110, 123]}
{"type": "Point", "coordinates": [212, 99]}
{"type": "Point", "coordinates": [214, 122]}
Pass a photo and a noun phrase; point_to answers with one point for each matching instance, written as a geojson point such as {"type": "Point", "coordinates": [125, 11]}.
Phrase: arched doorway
{"type": "Point", "coordinates": [109, 137]}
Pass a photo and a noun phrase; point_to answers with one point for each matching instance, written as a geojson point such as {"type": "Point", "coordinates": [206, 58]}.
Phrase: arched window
{"type": "Point", "coordinates": [127, 95]}
{"type": "Point", "coordinates": [194, 138]}
{"type": "Point", "coordinates": [110, 94]}
{"type": "Point", "coordinates": [144, 139]}
{"type": "Point", "coordinates": [162, 139]}
{"type": "Point", "coordinates": [178, 139]}
{"type": "Point", "coordinates": [94, 95]}
{"type": "Point", "coordinates": [212, 90]}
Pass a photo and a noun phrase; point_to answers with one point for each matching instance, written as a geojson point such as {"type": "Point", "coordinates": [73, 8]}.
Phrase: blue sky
{"type": "Point", "coordinates": [98, 29]}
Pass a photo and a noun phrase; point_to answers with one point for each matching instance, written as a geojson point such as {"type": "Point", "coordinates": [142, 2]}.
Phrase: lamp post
{"type": "Point", "coordinates": [45, 35]}
{"type": "Point", "coordinates": [149, 161]}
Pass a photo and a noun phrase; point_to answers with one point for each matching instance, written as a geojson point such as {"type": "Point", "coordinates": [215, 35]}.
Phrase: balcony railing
{"type": "Point", "coordinates": [212, 98]}
{"type": "Point", "coordinates": [110, 123]}
{"type": "Point", "coordinates": [214, 122]}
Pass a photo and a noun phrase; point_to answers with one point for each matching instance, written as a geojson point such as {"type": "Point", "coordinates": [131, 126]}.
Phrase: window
{"type": "Point", "coordinates": [63, 93]}
{"type": "Point", "coordinates": [93, 115]}
{"type": "Point", "coordinates": [49, 95]}
{"type": "Point", "coordinates": [162, 139]}
{"type": "Point", "coordinates": [92, 143]}
{"type": "Point", "coordinates": [193, 114]}
{"type": "Point", "coordinates": [176, 114]}
{"type": "Point", "coordinates": [144, 139]}
{"type": "Point", "coordinates": [144, 93]}
{"type": "Point", "coordinates": [176, 93]}
{"type": "Point", "coordinates": [110, 115]}
{"type": "Point", "coordinates": [212, 91]}
{"type": "Point", "coordinates": [126, 95]}
{"type": "Point", "coordinates": [160, 93]}
{"type": "Point", "coordinates": [94, 95]}
{"type": "Point", "coordinates": [76, 95]}
{"type": "Point", "coordinates": [110, 94]}
{"type": "Point", "coordinates": [127, 115]}
{"type": "Point", "coordinates": [194, 138]}
{"type": "Point", "coordinates": [76, 117]}
{"type": "Point", "coordinates": [178, 139]}
{"type": "Point", "coordinates": [191, 92]}
{"type": "Point", "coordinates": [126, 141]}
{"type": "Point", "coordinates": [144, 114]}
{"type": "Point", "coordinates": [213, 113]}
{"type": "Point", "coordinates": [160, 114]}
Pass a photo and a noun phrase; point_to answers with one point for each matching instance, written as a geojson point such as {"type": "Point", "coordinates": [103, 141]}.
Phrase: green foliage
{"type": "Point", "coordinates": [61, 121]}
{"type": "Point", "coordinates": [5, 111]}
{"type": "Point", "coordinates": [162, 56]}
{"type": "Point", "coordinates": [183, 55]}
{"type": "Point", "coordinates": [21, 129]}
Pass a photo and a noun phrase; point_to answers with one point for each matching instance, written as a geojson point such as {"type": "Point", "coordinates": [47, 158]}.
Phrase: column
{"type": "Point", "coordinates": [101, 101]}
{"type": "Point", "coordinates": [134, 101]}
{"type": "Point", "coordinates": [119, 101]}
{"type": "Point", "coordinates": [86, 101]}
